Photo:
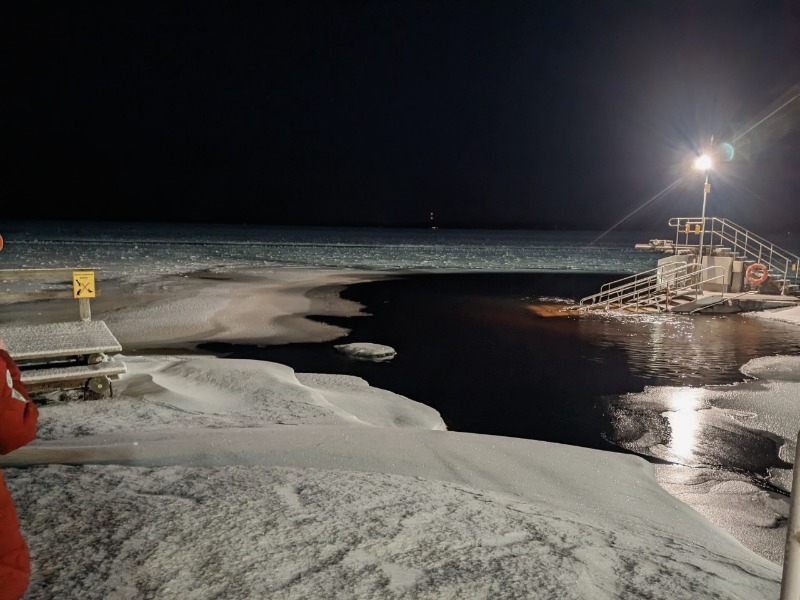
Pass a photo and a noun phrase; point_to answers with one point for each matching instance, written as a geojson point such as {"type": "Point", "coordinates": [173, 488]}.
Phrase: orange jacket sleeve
{"type": "Point", "coordinates": [18, 414]}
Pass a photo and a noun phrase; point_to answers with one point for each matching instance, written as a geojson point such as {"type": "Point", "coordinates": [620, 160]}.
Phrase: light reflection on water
{"type": "Point", "coordinates": [690, 350]}
{"type": "Point", "coordinates": [683, 423]}
{"type": "Point", "coordinates": [673, 419]}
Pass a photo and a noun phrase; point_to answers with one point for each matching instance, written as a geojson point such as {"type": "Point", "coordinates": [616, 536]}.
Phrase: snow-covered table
{"type": "Point", "coordinates": [64, 355]}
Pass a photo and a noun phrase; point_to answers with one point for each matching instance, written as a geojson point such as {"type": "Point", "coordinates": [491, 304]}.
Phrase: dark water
{"type": "Point", "coordinates": [469, 346]}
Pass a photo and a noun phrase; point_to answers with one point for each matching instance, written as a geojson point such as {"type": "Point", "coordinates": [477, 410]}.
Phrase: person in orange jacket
{"type": "Point", "coordinates": [18, 416]}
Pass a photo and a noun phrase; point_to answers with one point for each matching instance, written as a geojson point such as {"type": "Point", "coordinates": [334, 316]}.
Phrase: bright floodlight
{"type": "Point", "coordinates": [703, 162]}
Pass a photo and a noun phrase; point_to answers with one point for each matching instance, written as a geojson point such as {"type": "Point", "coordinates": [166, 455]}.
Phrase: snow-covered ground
{"type": "Point", "coordinates": [228, 479]}
{"type": "Point", "coordinates": [217, 478]}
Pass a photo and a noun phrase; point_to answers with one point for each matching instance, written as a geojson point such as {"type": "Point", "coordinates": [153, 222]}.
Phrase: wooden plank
{"type": "Point", "coordinates": [110, 368]}
{"type": "Point", "coordinates": [41, 274]}
{"type": "Point", "coordinates": [50, 340]}
{"type": "Point", "coordinates": [41, 295]}
{"type": "Point", "coordinates": [35, 296]}
{"type": "Point", "coordinates": [85, 309]}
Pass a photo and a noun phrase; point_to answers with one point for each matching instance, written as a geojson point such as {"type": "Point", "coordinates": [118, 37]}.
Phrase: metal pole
{"type": "Point", "coordinates": [790, 582]}
{"type": "Point", "coordinates": [706, 189]}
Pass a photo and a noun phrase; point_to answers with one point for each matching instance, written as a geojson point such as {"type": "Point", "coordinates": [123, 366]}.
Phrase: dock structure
{"type": "Point", "coordinates": [64, 355]}
{"type": "Point", "coordinates": [711, 266]}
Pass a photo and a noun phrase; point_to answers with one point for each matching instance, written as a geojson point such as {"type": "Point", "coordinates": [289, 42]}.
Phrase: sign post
{"type": "Point", "coordinates": [83, 288]}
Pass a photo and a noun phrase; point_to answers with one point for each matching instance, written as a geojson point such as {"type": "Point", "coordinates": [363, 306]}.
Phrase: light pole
{"type": "Point", "coordinates": [703, 163]}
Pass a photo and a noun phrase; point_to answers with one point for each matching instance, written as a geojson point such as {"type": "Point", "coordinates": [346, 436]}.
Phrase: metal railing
{"type": "Point", "coordinates": [652, 288]}
{"type": "Point", "coordinates": [722, 232]}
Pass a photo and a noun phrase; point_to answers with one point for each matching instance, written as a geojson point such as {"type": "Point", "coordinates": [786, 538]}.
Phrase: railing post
{"type": "Point", "coordinates": [790, 582]}
{"type": "Point", "coordinates": [785, 275]}
{"type": "Point", "coordinates": [711, 241]}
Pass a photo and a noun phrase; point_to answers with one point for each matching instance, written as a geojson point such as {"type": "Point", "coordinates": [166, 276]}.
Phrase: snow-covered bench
{"type": "Point", "coordinates": [73, 354]}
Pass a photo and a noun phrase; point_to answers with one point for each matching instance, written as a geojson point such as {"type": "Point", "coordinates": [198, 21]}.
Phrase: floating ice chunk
{"type": "Point", "coordinates": [367, 351]}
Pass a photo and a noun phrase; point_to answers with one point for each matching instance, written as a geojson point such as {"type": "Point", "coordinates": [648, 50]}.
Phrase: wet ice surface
{"type": "Point", "coordinates": [731, 446]}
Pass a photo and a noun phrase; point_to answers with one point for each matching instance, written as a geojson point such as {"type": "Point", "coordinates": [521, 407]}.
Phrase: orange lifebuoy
{"type": "Point", "coordinates": [1, 242]}
{"type": "Point", "coordinates": [756, 279]}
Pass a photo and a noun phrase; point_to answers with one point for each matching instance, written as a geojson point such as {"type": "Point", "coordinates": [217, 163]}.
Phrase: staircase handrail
{"type": "Point", "coordinates": [681, 278]}
{"type": "Point", "coordinates": [753, 246]}
{"type": "Point", "coordinates": [637, 276]}
{"type": "Point", "coordinates": [683, 283]}
{"type": "Point", "coordinates": [775, 253]}
{"type": "Point", "coordinates": [631, 281]}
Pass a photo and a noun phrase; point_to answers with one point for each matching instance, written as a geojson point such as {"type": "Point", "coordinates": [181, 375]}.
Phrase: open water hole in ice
{"type": "Point", "coordinates": [469, 346]}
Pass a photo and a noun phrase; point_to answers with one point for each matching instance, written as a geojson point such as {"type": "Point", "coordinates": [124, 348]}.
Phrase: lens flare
{"type": "Point", "coordinates": [703, 162]}
{"type": "Point", "coordinates": [726, 152]}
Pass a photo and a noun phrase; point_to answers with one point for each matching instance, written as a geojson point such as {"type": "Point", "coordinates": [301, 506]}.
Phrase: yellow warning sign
{"type": "Point", "coordinates": [83, 284]}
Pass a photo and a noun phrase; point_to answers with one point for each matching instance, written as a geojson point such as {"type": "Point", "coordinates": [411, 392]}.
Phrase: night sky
{"type": "Point", "coordinates": [540, 114]}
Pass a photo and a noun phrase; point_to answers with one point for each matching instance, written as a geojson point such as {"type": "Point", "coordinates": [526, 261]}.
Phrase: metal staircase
{"type": "Point", "coordinates": [680, 285]}
{"type": "Point", "coordinates": [721, 235]}
{"type": "Point", "coordinates": [656, 290]}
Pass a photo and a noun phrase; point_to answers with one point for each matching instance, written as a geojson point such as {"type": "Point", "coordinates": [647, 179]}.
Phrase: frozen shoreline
{"type": "Point", "coordinates": [167, 404]}
{"type": "Point", "coordinates": [246, 306]}
{"type": "Point", "coordinates": [249, 306]}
